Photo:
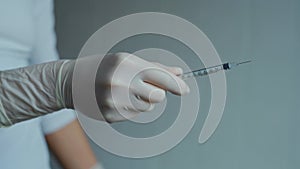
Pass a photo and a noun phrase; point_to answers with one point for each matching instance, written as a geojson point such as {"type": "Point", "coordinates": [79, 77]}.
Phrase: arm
{"type": "Point", "coordinates": [71, 147]}
{"type": "Point", "coordinates": [62, 131]}
{"type": "Point", "coordinates": [41, 89]}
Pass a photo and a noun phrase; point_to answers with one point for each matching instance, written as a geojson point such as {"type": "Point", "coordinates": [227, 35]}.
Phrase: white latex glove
{"type": "Point", "coordinates": [97, 166]}
{"type": "Point", "coordinates": [125, 85]}
{"type": "Point", "coordinates": [33, 91]}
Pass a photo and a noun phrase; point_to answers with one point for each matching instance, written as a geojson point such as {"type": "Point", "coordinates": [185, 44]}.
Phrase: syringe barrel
{"type": "Point", "coordinates": [205, 71]}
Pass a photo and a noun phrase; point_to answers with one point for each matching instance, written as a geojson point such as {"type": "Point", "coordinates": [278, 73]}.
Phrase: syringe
{"type": "Point", "coordinates": [213, 69]}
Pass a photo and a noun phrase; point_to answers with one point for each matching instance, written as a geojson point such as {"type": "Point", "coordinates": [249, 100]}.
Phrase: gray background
{"type": "Point", "coordinates": [260, 126]}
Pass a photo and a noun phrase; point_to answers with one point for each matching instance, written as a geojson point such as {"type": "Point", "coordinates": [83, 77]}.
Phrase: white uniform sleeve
{"type": "Point", "coordinates": [44, 50]}
{"type": "Point", "coordinates": [57, 120]}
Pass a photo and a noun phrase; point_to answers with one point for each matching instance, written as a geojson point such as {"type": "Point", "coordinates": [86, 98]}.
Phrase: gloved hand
{"type": "Point", "coordinates": [125, 85]}
{"type": "Point", "coordinates": [97, 166]}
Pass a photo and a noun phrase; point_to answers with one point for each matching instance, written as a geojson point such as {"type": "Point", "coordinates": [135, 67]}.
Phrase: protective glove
{"type": "Point", "coordinates": [125, 85]}
{"type": "Point", "coordinates": [32, 91]}
{"type": "Point", "coordinates": [97, 166]}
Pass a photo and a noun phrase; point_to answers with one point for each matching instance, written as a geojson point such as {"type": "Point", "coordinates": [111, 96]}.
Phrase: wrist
{"type": "Point", "coordinates": [64, 84]}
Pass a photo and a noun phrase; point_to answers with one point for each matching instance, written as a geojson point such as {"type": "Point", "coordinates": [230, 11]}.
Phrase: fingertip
{"type": "Point", "coordinates": [182, 87]}
{"type": "Point", "coordinates": [188, 90]}
{"type": "Point", "coordinates": [184, 90]}
{"type": "Point", "coordinates": [178, 71]}
{"type": "Point", "coordinates": [157, 96]}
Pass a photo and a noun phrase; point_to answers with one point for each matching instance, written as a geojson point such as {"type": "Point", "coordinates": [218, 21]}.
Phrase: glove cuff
{"type": "Point", "coordinates": [64, 84]}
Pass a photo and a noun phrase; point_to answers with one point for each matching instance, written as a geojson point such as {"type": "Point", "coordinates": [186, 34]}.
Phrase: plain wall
{"type": "Point", "coordinates": [260, 126]}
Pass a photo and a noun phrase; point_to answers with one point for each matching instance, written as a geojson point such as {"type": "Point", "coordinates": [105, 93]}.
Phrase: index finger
{"type": "Point", "coordinates": [163, 79]}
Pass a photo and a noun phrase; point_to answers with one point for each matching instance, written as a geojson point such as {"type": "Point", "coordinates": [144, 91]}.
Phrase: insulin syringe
{"type": "Point", "coordinates": [213, 69]}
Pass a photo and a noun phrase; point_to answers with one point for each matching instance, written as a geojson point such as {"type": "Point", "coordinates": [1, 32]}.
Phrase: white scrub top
{"type": "Point", "coordinates": [27, 37]}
